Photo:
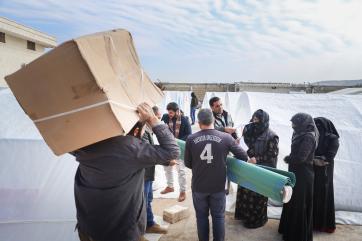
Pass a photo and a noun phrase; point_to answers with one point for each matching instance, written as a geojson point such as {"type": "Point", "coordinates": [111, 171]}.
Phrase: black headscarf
{"type": "Point", "coordinates": [302, 124]}
{"type": "Point", "coordinates": [325, 126]}
{"type": "Point", "coordinates": [326, 129]}
{"type": "Point", "coordinates": [254, 130]}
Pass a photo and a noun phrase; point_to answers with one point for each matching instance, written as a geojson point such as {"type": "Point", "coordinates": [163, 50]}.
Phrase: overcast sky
{"type": "Point", "coordinates": [216, 41]}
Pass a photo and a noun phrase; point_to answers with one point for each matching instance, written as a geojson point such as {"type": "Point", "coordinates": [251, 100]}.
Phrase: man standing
{"type": "Point", "coordinates": [224, 123]}
{"type": "Point", "coordinates": [181, 129]}
{"type": "Point", "coordinates": [108, 185]}
{"type": "Point", "coordinates": [152, 226]}
{"type": "Point", "coordinates": [205, 154]}
{"type": "Point", "coordinates": [223, 120]}
{"type": "Point", "coordinates": [193, 105]}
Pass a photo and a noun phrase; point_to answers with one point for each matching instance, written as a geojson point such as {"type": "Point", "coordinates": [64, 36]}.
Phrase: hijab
{"type": "Point", "coordinates": [302, 124]}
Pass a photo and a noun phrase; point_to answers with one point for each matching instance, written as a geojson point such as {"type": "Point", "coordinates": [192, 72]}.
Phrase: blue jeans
{"type": "Point", "coordinates": [148, 198]}
{"type": "Point", "coordinates": [215, 203]}
{"type": "Point", "coordinates": [192, 114]}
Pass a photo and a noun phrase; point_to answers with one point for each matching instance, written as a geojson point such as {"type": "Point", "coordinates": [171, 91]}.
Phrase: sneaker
{"type": "Point", "coordinates": [167, 190]}
{"type": "Point", "coordinates": [156, 228]}
{"type": "Point", "coordinates": [182, 196]}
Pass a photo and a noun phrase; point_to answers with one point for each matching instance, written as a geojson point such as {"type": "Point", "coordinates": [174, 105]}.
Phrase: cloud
{"type": "Point", "coordinates": [258, 40]}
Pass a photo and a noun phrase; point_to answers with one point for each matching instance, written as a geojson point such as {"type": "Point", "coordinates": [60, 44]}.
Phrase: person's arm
{"type": "Point", "coordinates": [305, 148]}
{"type": "Point", "coordinates": [273, 150]}
{"type": "Point", "coordinates": [219, 128]}
{"type": "Point", "coordinates": [146, 154]}
{"type": "Point", "coordinates": [333, 146]}
{"type": "Point", "coordinates": [187, 129]}
{"type": "Point", "coordinates": [236, 149]}
{"type": "Point", "coordinates": [251, 152]}
{"type": "Point", "coordinates": [188, 156]}
{"type": "Point", "coordinates": [149, 155]}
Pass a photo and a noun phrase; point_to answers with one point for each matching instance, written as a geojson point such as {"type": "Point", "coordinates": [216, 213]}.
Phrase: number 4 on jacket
{"type": "Point", "coordinates": [206, 154]}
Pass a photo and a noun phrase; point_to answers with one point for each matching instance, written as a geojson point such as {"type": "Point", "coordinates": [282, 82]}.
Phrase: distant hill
{"type": "Point", "coordinates": [347, 83]}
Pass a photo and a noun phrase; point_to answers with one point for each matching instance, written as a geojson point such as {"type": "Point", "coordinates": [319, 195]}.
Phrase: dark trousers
{"type": "Point", "coordinates": [215, 204]}
{"type": "Point", "coordinates": [148, 198]}
{"type": "Point", "coordinates": [192, 114]}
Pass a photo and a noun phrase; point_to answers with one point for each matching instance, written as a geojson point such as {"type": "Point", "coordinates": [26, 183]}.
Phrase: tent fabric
{"type": "Point", "coordinates": [182, 98]}
{"type": "Point", "coordinates": [345, 111]}
{"type": "Point", "coordinates": [32, 178]}
{"type": "Point", "coordinates": [36, 187]}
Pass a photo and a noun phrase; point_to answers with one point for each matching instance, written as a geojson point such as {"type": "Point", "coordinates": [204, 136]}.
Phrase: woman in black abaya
{"type": "Point", "coordinates": [323, 205]}
{"type": "Point", "coordinates": [262, 143]}
{"type": "Point", "coordinates": [296, 222]}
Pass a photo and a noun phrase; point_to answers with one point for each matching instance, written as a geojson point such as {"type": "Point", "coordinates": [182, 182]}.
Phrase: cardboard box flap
{"type": "Point", "coordinates": [114, 63]}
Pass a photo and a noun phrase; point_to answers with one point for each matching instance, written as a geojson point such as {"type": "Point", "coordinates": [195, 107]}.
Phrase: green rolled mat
{"type": "Point", "coordinates": [267, 181]}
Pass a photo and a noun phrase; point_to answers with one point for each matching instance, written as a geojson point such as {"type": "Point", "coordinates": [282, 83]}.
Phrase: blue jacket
{"type": "Point", "coordinates": [185, 128]}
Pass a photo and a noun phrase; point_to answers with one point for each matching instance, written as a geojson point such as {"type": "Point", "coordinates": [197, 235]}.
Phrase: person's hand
{"type": "Point", "coordinates": [287, 159]}
{"type": "Point", "coordinates": [146, 114]}
{"type": "Point", "coordinates": [172, 163]}
{"type": "Point", "coordinates": [252, 160]}
{"type": "Point", "coordinates": [230, 130]}
{"type": "Point", "coordinates": [238, 141]}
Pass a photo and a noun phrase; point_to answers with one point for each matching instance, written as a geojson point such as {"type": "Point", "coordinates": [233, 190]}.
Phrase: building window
{"type": "Point", "coordinates": [31, 45]}
{"type": "Point", "coordinates": [2, 37]}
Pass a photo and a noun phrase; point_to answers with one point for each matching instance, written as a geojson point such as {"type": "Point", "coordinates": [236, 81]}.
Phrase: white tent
{"type": "Point", "coordinates": [345, 112]}
{"type": "Point", "coordinates": [182, 98]}
{"type": "Point", "coordinates": [36, 187]}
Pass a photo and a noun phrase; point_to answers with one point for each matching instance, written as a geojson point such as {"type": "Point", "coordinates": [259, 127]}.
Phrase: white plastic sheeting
{"type": "Point", "coordinates": [36, 187]}
{"type": "Point", "coordinates": [345, 112]}
{"type": "Point", "coordinates": [182, 98]}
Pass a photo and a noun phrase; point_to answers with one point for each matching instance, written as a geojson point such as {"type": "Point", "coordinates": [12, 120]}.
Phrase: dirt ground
{"type": "Point", "coordinates": [186, 230]}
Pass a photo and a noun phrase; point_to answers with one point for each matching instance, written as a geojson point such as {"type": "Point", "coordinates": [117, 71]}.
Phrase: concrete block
{"type": "Point", "coordinates": [175, 213]}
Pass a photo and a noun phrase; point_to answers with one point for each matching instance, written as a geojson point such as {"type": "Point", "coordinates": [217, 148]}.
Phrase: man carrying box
{"type": "Point", "coordinates": [109, 182]}
{"type": "Point", "coordinates": [205, 154]}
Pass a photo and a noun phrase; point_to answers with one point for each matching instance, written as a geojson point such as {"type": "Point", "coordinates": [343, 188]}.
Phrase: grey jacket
{"type": "Point", "coordinates": [108, 185]}
{"type": "Point", "coordinates": [225, 121]}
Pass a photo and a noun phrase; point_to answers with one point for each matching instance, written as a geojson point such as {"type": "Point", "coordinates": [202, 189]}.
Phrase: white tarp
{"type": "Point", "coordinates": [345, 112]}
{"type": "Point", "coordinates": [36, 187]}
{"type": "Point", "coordinates": [182, 98]}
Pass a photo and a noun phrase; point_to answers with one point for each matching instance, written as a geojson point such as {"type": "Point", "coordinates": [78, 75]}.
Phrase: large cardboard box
{"type": "Point", "coordinates": [85, 90]}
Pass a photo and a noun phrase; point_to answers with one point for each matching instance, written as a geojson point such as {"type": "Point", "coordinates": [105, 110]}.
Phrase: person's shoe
{"type": "Point", "coordinates": [328, 230]}
{"type": "Point", "coordinates": [182, 196]}
{"type": "Point", "coordinates": [156, 228]}
{"type": "Point", "coordinates": [143, 238]}
{"type": "Point", "coordinates": [167, 190]}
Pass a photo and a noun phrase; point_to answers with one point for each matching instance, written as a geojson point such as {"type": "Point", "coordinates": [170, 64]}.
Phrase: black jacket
{"type": "Point", "coordinates": [185, 128]}
{"type": "Point", "coordinates": [108, 185]}
{"type": "Point", "coordinates": [149, 171]}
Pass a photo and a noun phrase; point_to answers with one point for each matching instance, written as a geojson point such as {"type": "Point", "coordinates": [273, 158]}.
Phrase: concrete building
{"type": "Point", "coordinates": [201, 88]}
{"type": "Point", "coordinates": [20, 45]}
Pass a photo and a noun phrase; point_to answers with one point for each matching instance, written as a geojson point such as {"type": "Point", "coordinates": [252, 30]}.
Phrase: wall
{"type": "Point", "coordinates": [13, 54]}
{"type": "Point", "coordinates": [201, 88]}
